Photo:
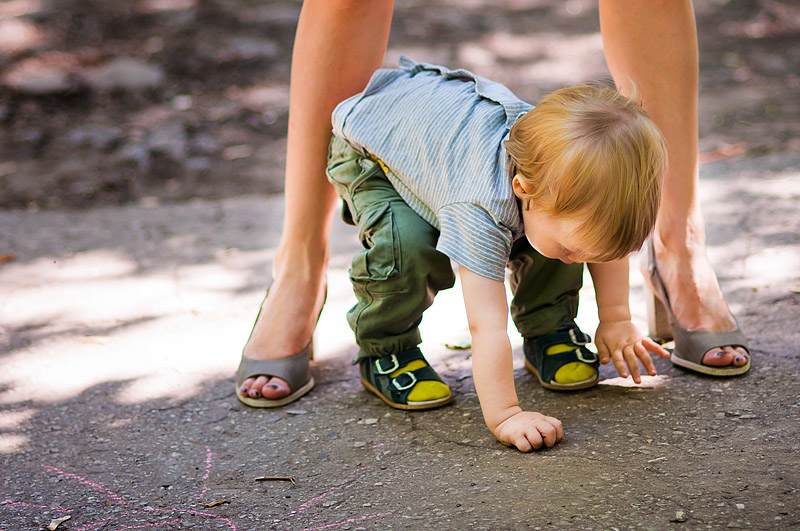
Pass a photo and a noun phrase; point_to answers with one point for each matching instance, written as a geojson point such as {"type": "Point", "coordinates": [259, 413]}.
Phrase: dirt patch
{"type": "Point", "coordinates": [160, 100]}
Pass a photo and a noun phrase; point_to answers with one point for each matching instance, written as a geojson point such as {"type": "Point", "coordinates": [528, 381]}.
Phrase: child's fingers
{"type": "Point", "coordinates": [524, 444]}
{"type": "Point", "coordinates": [546, 433]}
{"type": "Point", "coordinates": [557, 425]}
{"type": "Point", "coordinates": [633, 362]}
{"type": "Point", "coordinates": [654, 347]}
{"type": "Point", "coordinates": [619, 363]}
{"type": "Point", "coordinates": [644, 357]}
{"type": "Point", "coordinates": [602, 352]}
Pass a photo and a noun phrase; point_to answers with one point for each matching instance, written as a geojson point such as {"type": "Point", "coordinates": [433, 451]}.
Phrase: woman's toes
{"type": "Point", "coordinates": [256, 387]}
{"type": "Point", "coordinates": [718, 357]}
{"type": "Point", "coordinates": [275, 388]}
{"type": "Point", "coordinates": [740, 356]}
{"type": "Point", "coordinates": [244, 390]}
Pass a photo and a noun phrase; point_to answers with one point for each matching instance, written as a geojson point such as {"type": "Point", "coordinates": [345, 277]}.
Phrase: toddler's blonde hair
{"type": "Point", "coordinates": [592, 152]}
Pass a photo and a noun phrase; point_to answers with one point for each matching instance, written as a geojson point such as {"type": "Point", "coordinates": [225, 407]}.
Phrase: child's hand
{"type": "Point", "coordinates": [622, 343]}
{"type": "Point", "coordinates": [528, 431]}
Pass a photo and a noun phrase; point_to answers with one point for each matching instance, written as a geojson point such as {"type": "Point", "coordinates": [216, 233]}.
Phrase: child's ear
{"type": "Point", "coordinates": [520, 186]}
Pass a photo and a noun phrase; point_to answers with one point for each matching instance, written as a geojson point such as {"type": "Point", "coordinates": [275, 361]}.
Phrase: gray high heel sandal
{"type": "Point", "coordinates": [293, 369]}
{"type": "Point", "coordinates": [690, 345]}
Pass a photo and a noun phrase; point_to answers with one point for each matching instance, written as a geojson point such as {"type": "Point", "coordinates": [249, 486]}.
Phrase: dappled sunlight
{"type": "Point", "coordinates": [154, 6]}
{"type": "Point", "coordinates": [11, 443]}
{"type": "Point", "coordinates": [765, 255]}
{"type": "Point", "coordinates": [18, 35]}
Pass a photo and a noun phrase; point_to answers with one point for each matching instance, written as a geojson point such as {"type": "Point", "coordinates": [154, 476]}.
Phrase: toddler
{"type": "Point", "coordinates": [435, 165]}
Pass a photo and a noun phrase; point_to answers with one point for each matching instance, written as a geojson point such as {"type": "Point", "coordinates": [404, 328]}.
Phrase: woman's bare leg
{"type": "Point", "coordinates": [338, 45]}
{"type": "Point", "coordinates": [654, 44]}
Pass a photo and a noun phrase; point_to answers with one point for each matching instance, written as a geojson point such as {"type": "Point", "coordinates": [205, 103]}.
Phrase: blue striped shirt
{"type": "Point", "coordinates": [441, 132]}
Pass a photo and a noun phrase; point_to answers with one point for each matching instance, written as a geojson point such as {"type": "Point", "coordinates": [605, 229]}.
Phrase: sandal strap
{"type": "Point", "coordinates": [572, 336]}
{"type": "Point", "coordinates": [294, 369]}
{"type": "Point", "coordinates": [692, 345]}
{"type": "Point", "coordinates": [376, 370]}
{"type": "Point", "coordinates": [535, 350]}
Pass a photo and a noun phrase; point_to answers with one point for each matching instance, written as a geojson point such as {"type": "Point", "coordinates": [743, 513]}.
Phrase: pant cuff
{"type": "Point", "coordinates": [370, 348]}
{"type": "Point", "coordinates": [546, 320]}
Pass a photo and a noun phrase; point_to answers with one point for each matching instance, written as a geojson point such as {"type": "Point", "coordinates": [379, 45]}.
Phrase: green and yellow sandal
{"type": "Point", "coordinates": [561, 360]}
{"type": "Point", "coordinates": [405, 381]}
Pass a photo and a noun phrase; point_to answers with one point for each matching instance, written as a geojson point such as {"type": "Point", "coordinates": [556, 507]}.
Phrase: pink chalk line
{"type": "Point", "coordinates": [94, 524]}
{"type": "Point", "coordinates": [321, 497]}
{"type": "Point", "coordinates": [209, 458]}
{"type": "Point", "coordinates": [111, 495]}
{"type": "Point", "coordinates": [149, 526]}
{"type": "Point", "coordinates": [23, 504]}
{"type": "Point", "coordinates": [348, 521]}
{"type": "Point", "coordinates": [230, 523]}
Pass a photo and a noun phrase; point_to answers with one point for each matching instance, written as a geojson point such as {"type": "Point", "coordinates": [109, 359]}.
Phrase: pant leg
{"type": "Point", "coordinates": [399, 271]}
{"type": "Point", "coordinates": [545, 290]}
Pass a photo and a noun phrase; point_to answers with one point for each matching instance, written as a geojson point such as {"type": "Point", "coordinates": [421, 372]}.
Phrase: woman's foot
{"type": "Point", "coordinates": [696, 298]}
{"type": "Point", "coordinates": [285, 325]}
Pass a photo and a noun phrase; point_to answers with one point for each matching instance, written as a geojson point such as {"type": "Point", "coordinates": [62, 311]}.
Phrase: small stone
{"type": "Point", "coordinates": [296, 412]}
{"type": "Point", "coordinates": [238, 48]}
{"type": "Point", "coordinates": [170, 140]}
{"type": "Point", "coordinates": [748, 416]}
{"type": "Point", "coordinates": [680, 516]}
{"type": "Point", "coordinates": [740, 506]}
{"type": "Point", "coordinates": [39, 81]}
{"type": "Point", "coordinates": [368, 421]}
{"type": "Point", "coordinates": [125, 73]}
{"type": "Point", "coordinates": [720, 415]}
{"type": "Point", "coordinates": [94, 136]}
{"type": "Point", "coordinates": [359, 444]}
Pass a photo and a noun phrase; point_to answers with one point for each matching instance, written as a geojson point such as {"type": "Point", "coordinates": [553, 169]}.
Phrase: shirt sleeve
{"type": "Point", "coordinates": [471, 238]}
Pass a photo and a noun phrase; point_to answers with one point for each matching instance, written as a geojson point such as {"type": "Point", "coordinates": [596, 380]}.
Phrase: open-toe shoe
{"type": "Point", "coordinates": [294, 370]}
{"type": "Point", "coordinates": [691, 346]}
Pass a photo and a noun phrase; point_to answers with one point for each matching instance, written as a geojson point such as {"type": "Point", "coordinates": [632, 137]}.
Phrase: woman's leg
{"type": "Point", "coordinates": [654, 44]}
{"type": "Point", "coordinates": [338, 45]}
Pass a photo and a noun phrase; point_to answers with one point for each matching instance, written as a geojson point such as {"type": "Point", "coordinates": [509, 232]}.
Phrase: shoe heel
{"type": "Point", "coordinates": [658, 323]}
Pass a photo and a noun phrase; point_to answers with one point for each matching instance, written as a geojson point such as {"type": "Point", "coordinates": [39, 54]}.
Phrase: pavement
{"type": "Point", "coordinates": [122, 327]}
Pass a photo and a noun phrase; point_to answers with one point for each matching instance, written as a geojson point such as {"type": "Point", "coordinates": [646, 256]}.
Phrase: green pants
{"type": "Point", "coordinates": [399, 271]}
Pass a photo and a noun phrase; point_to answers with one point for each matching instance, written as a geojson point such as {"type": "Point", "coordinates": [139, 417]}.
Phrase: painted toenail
{"type": "Point", "coordinates": [244, 390]}
{"type": "Point", "coordinates": [273, 386]}
{"type": "Point", "coordinates": [739, 359]}
{"type": "Point", "coordinates": [720, 353]}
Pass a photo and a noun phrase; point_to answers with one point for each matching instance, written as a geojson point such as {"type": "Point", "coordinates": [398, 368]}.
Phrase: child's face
{"type": "Point", "coordinates": [556, 236]}
{"type": "Point", "coordinates": [553, 236]}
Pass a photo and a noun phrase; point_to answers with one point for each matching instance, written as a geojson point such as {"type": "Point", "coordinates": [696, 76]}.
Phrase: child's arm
{"type": "Point", "coordinates": [617, 338]}
{"type": "Point", "coordinates": [492, 369]}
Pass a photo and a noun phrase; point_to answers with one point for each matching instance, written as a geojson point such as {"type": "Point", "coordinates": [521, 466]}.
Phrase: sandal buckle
{"type": "Point", "coordinates": [394, 367]}
{"type": "Point", "coordinates": [401, 387]}
{"type": "Point", "coordinates": [579, 353]}
{"type": "Point", "coordinates": [575, 340]}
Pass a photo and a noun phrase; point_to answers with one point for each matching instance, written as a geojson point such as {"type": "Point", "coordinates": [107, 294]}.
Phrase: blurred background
{"type": "Point", "coordinates": [106, 102]}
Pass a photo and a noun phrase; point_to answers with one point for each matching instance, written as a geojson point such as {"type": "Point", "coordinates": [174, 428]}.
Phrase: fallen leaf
{"type": "Point", "coordinates": [55, 523]}
{"type": "Point", "coordinates": [216, 502]}
{"type": "Point", "coordinates": [723, 153]}
{"type": "Point", "coordinates": [275, 478]}
{"type": "Point", "coordinates": [7, 257]}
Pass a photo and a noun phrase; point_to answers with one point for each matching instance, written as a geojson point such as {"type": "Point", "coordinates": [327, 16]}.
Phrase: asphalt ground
{"type": "Point", "coordinates": [122, 327]}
